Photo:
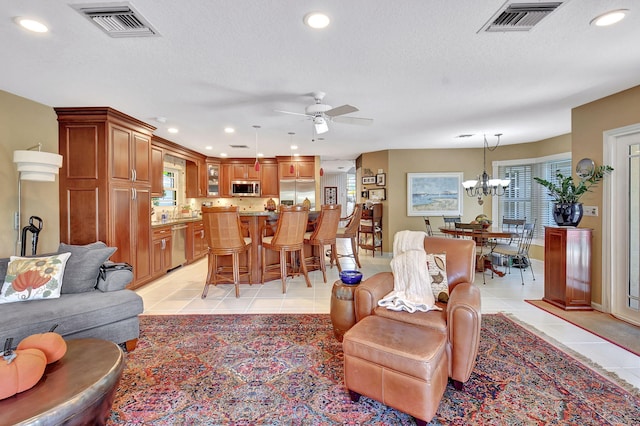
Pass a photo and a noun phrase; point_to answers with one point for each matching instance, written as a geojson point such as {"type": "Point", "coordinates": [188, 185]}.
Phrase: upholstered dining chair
{"type": "Point", "coordinates": [224, 235]}
{"type": "Point", "coordinates": [350, 231]}
{"type": "Point", "coordinates": [324, 233]}
{"type": "Point", "coordinates": [287, 240]}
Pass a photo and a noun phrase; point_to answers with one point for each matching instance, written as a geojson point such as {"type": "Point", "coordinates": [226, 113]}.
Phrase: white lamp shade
{"type": "Point", "coordinates": [37, 165]}
{"type": "Point", "coordinates": [469, 184]}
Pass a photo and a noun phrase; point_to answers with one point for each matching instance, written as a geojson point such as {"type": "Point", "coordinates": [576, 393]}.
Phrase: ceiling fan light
{"type": "Point", "coordinates": [320, 125]}
{"type": "Point", "coordinates": [316, 20]}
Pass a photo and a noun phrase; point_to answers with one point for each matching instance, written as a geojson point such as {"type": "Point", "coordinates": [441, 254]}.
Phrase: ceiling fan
{"type": "Point", "coordinates": [322, 114]}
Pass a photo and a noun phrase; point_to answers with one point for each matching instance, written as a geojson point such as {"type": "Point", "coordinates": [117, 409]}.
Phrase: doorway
{"type": "Point", "coordinates": [621, 225]}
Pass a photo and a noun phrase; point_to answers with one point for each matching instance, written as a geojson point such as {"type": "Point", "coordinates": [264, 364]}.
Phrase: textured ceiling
{"type": "Point", "coordinates": [420, 69]}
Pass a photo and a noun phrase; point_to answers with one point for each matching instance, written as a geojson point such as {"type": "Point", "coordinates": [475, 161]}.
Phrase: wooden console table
{"type": "Point", "coordinates": [567, 267]}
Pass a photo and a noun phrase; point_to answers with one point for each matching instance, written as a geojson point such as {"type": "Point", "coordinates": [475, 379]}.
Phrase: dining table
{"type": "Point", "coordinates": [486, 239]}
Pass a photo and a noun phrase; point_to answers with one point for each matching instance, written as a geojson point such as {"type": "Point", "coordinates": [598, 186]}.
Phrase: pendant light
{"type": "Point", "coordinates": [292, 168]}
{"type": "Point", "coordinates": [256, 165]}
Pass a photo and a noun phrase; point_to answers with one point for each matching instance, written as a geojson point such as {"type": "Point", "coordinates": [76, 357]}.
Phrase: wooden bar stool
{"type": "Point", "coordinates": [326, 227]}
{"type": "Point", "coordinates": [223, 233]}
{"type": "Point", "coordinates": [350, 231]}
{"type": "Point", "coordinates": [288, 239]}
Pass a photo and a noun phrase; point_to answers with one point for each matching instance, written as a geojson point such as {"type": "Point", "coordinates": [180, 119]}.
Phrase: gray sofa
{"type": "Point", "coordinates": [90, 305]}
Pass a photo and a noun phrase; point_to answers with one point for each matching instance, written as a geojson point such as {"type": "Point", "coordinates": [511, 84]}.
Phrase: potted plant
{"type": "Point", "coordinates": [566, 194]}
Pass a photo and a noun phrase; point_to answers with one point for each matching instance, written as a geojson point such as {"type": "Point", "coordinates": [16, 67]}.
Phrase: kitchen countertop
{"type": "Point", "coordinates": [169, 222]}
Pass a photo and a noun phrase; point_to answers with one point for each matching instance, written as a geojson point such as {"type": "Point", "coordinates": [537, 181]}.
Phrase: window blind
{"type": "Point", "coordinates": [525, 198]}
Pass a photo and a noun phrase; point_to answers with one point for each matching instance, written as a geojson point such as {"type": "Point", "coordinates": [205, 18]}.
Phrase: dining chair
{"type": "Point", "coordinates": [324, 233]}
{"type": "Point", "coordinates": [287, 240]}
{"type": "Point", "coordinates": [350, 231]}
{"type": "Point", "coordinates": [223, 233]}
{"type": "Point", "coordinates": [519, 252]}
{"type": "Point", "coordinates": [472, 232]}
{"type": "Point", "coordinates": [450, 223]}
{"type": "Point", "coordinates": [427, 223]}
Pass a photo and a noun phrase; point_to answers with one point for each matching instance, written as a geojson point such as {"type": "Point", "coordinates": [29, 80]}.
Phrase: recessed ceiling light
{"type": "Point", "coordinates": [609, 18]}
{"type": "Point", "coordinates": [229, 130]}
{"type": "Point", "coordinates": [223, 154]}
{"type": "Point", "coordinates": [295, 154]}
{"type": "Point", "coordinates": [172, 130]}
{"type": "Point", "coordinates": [294, 146]}
{"type": "Point", "coordinates": [260, 154]}
{"type": "Point", "coordinates": [31, 25]}
{"type": "Point", "coordinates": [317, 20]}
{"type": "Point", "coordinates": [208, 147]}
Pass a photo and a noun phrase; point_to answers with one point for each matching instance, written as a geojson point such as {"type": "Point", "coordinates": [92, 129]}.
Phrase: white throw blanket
{"type": "Point", "coordinates": [411, 280]}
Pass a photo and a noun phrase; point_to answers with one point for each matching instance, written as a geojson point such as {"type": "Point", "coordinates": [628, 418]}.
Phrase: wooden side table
{"type": "Point", "coordinates": [342, 310]}
{"type": "Point", "coordinates": [75, 390]}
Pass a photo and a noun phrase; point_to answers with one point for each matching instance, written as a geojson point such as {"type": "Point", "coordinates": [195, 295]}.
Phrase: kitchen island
{"type": "Point", "coordinates": [254, 223]}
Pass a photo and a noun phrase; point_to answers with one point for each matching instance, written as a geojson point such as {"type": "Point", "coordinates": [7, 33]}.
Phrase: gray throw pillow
{"type": "Point", "coordinates": [83, 267]}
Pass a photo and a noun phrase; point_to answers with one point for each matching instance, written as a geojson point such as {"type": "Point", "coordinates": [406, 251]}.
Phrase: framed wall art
{"type": "Point", "coordinates": [331, 195]}
{"type": "Point", "coordinates": [381, 179]}
{"type": "Point", "coordinates": [368, 180]}
{"type": "Point", "coordinates": [377, 194]}
{"type": "Point", "coordinates": [434, 194]}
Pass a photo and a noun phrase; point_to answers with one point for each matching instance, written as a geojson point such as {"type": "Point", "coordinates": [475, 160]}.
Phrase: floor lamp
{"type": "Point", "coordinates": [35, 166]}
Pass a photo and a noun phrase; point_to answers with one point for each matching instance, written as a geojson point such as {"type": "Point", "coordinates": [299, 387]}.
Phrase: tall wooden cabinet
{"type": "Point", "coordinates": [105, 184]}
{"type": "Point", "coordinates": [567, 267]}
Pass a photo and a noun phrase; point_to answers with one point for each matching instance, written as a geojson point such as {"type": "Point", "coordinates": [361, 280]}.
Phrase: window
{"type": "Point", "coordinates": [526, 198]}
{"type": "Point", "coordinates": [170, 185]}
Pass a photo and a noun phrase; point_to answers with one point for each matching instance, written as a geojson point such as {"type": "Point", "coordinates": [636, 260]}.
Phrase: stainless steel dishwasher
{"type": "Point", "coordinates": [178, 245]}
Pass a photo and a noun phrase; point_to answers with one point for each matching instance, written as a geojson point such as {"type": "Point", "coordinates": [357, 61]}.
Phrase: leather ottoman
{"type": "Point", "coordinates": [401, 365]}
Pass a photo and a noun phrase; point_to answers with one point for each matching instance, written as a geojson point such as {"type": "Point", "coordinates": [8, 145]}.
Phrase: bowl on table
{"type": "Point", "coordinates": [351, 277]}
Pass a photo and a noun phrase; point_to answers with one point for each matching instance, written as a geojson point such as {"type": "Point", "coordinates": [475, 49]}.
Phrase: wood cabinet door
{"type": "Point", "coordinates": [306, 169]}
{"type": "Point", "coordinates": [192, 179]}
{"type": "Point", "coordinates": [285, 171]}
{"type": "Point", "coordinates": [141, 157]}
{"type": "Point", "coordinates": [269, 181]}
{"type": "Point", "coordinates": [120, 166]}
{"type": "Point", "coordinates": [225, 180]}
{"type": "Point", "coordinates": [141, 234]}
{"type": "Point", "coordinates": [251, 172]}
{"type": "Point", "coordinates": [157, 168]}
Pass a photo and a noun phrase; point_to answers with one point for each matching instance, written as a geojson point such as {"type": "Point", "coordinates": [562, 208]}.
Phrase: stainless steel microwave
{"type": "Point", "coordinates": [245, 189]}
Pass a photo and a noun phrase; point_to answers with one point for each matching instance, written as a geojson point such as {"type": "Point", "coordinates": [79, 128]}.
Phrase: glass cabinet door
{"type": "Point", "coordinates": [213, 180]}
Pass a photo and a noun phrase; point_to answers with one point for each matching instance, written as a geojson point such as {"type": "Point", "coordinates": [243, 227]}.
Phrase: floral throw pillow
{"type": "Point", "coordinates": [437, 267]}
{"type": "Point", "coordinates": [32, 278]}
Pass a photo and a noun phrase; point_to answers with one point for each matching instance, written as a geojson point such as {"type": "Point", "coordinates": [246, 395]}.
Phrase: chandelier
{"type": "Point", "coordinates": [484, 185]}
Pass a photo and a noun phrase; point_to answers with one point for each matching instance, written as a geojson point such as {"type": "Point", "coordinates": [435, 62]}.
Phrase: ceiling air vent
{"type": "Point", "coordinates": [239, 146]}
{"type": "Point", "coordinates": [519, 16]}
{"type": "Point", "coordinates": [117, 20]}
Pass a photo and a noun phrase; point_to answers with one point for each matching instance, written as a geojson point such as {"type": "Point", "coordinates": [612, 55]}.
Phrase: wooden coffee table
{"type": "Point", "coordinates": [76, 390]}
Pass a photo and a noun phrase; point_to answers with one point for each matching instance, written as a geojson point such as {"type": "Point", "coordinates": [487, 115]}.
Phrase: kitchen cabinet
{"type": "Point", "coordinates": [196, 242]}
{"type": "Point", "coordinates": [567, 267]}
{"type": "Point", "coordinates": [244, 171]}
{"type": "Point", "coordinates": [269, 180]}
{"type": "Point", "coordinates": [225, 180]}
{"type": "Point", "coordinates": [157, 169]}
{"type": "Point", "coordinates": [105, 184]}
{"type": "Point", "coordinates": [302, 169]}
{"type": "Point", "coordinates": [196, 176]}
{"type": "Point", "coordinates": [161, 250]}
{"type": "Point", "coordinates": [213, 179]}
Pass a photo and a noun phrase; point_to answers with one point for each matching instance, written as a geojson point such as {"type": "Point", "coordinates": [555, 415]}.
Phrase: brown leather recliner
{"type": "Point", "coordinates": [460, 318]}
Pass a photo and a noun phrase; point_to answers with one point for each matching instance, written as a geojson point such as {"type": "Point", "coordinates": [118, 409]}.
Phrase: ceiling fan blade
{"type": "Point", "coordinates": [341, 110]}
{"type": "Point", "coordinates": [354, 120]}
{"type": "Point", "coordinates": [291, 113]}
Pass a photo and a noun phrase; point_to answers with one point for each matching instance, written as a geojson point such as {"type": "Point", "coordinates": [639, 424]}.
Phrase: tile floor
{"type": "Point", "coordinates": [179, 293]}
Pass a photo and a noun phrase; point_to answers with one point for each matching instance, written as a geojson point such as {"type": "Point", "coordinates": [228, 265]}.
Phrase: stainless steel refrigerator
{"type": "Point", "coordinates": [294, 191]}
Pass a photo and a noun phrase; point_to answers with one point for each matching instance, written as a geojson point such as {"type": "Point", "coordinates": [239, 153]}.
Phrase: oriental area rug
{"type": "Point", "coordinates": [287, 370]}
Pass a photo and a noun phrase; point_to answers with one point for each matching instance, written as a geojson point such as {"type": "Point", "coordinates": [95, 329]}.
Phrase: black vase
{"type": "Point", "coordinates": [567, 214]}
